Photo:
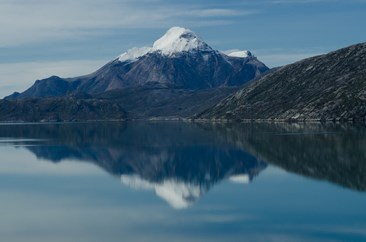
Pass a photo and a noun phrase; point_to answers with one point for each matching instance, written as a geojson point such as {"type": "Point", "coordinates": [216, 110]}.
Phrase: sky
{"type": "Point", "coordinates": [40, 38]}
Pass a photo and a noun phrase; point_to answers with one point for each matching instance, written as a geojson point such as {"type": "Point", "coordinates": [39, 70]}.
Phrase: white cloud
{"type": "Point", "coordinates": [302, 1]}
{"type": "Point", "coordinates": [20, 76]}
{"type": "Point", "coordinates": [220, 12]}
{"type": "Point", "coordinates": [24, 22]}
{"type": "Point", "coordinates": [296, 2]}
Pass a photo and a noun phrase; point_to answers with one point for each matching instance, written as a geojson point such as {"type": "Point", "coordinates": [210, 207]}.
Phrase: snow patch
{"type": "Point", "coordinates": [136, 182]}
{"type": "Point", "coordinates": [178, 194]}
{"type": "Point", "coordinates": [240, 54]}
{"type": "Point", "coordinates": [134, 53]}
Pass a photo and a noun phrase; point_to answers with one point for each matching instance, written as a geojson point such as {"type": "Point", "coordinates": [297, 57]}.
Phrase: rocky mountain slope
{"type": "Point", "coordinates": [326, 87]}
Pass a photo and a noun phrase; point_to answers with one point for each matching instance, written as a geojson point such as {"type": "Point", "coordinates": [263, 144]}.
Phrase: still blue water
{"type": "Point", "coordinates": [175, 181]}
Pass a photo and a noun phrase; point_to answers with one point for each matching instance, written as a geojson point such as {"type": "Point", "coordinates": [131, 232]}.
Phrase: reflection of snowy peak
{"type": "Point", "coordinates": [178, 194]}
{"type": "Point", "coordinates": [240, 179]}
{"type": "Point", "coordinates": [178, 161]}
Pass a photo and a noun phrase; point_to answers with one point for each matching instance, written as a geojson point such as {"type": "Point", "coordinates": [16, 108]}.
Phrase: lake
{"type": "Point", "coordinates": [176, 181]}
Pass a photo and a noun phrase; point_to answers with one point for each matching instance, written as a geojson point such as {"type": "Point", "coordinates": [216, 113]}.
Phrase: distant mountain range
{"type": "Point", "coordinates": [179, 59]}
{"type": "Point", "coordinates": [178, 67]}
{"type": "Point", "coordinates": [329, 87]}
{"type": "Point", "coordinates": [180, 76]}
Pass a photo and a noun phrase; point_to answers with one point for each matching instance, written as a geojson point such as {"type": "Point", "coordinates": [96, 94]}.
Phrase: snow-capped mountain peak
{"type": "Point", "coordinates": [175, 40]}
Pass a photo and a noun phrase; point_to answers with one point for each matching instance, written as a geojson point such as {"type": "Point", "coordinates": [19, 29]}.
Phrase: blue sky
{"type": "Point", "coordinates": [40, 38]}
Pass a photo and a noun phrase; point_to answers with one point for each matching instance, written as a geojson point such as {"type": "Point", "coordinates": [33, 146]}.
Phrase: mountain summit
{"type": "Point", "coordinates": [178, 60]}
{"type": "Point", "coordinates": [176, 40]}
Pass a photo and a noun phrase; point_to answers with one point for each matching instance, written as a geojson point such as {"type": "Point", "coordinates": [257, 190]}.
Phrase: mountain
{"type": "Point", "coordinates": [326, 87]}
{"type": "Point", "coordinates": [179, 60]}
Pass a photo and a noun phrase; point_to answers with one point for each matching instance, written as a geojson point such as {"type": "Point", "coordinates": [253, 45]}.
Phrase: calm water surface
{"type": "Point", "coordinates": [170, 181]}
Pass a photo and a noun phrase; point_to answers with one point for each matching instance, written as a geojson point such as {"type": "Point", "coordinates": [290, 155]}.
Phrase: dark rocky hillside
{"type": "Point", "coordinates": [129, 103]}
{"type": "Point", "coordinates": [60, 109]}
{"type": "Point", "coordinates": [326, 87]}
{"type": "Point", "coordinates": [165, 103]}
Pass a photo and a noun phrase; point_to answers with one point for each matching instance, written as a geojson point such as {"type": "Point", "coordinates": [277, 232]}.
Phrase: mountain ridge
{"type": "Point", "coordinates": [179, 59]}
{"type": "Point", "coordinates": [330, 87]}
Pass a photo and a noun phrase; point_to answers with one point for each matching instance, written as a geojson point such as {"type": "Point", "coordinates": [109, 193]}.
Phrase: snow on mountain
{"type": "Point", "coordinates": [175, 40]}
{"type": "Point", "coordinates": [176, 193]}
{"type": "Point", "coordinates": [134, 53]}
{"type": "Point", "coordinates": [240, 54]}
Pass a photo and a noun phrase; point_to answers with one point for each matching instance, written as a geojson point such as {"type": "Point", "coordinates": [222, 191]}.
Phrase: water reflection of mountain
{"type": "Point", "coordinates": [331, 152]}
{"type": "Point", "coordinates": [179, 161]}
{"type": "Point", "coordinates": [182, 161]}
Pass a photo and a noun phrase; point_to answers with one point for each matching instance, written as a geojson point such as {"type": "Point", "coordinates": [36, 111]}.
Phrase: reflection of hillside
{"type": "Point", "coordinates": [179, 161]}
{"type": "Point", "coordinates": [182, 161]}
{"type": "Point", "coordinates": [331, 152]}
